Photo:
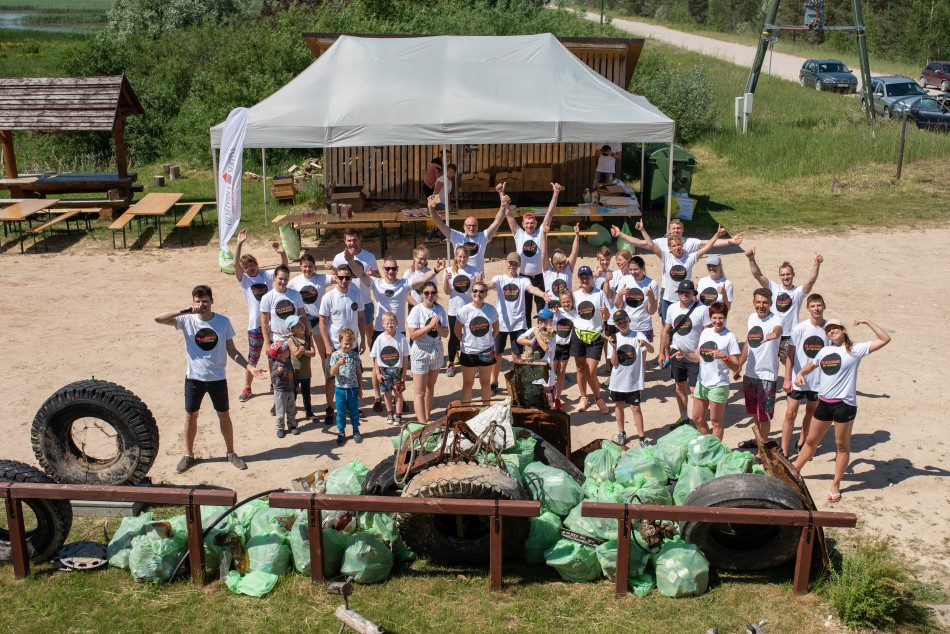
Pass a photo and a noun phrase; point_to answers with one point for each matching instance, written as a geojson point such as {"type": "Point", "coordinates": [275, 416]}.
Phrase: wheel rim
{"type": "Point", "coordinates": [944, 86]}
{"type": "Point", "coordinates": [801, 80]}
{"type": "Point", "coordinates": [887, 113]}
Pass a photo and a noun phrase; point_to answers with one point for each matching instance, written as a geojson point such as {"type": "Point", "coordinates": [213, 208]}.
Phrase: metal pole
{"type": "Point", "coordinates": [445, 183]}
{"type": "Point", "coordinates": [900, 148]}
{"type": "Point", "coordinates": [264, 169]}
{"type": "Point", "coordinates": [643, 175]}
{"type": "Point", "coordinates": [214, 168]}
{"type": "Point", "coordinates": [863, 58]}
{"type": "Point", "coordinates": [763, 44]}
{"type": "Point", "coordinates": [669, 190]}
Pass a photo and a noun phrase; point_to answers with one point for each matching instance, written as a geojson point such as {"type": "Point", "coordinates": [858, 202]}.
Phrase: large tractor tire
{"type": "Point", "coordinates": [47, 522]}
{"type": "Point", "coordinates": [461, 539]}
{"type": "Point", "coordinates": [95, 432]}
{"type": "Point", "coordinates": [744, 546]}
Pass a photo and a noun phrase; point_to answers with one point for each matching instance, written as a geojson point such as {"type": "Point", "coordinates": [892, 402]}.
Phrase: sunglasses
{"type": "Point", "coordinates": [344, 277]}
{"type": "Point", "coordinates": [428, 293]}
{"type": "Point", "coordinates": [390, 268]}
{"type": "Point", "coordinates": [478, 291]}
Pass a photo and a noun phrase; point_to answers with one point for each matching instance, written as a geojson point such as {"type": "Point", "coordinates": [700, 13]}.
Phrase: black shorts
{"type": "Point", "coordinates": [195, 391]}
{"type": "Point", "coordinates": [477, 360]}
{"type": "Point", "coordinates": [838, 412]}
{"type": "Point", "coordinates": [562, 352]}
{"type": "Point", "coordinates": [630, 398]}
{"type": "Point", "coordinates": [683, 370]}
{"type": "Point", "coordinates": [588, 351]}
{"type": "Point", "coordinates": [800, 395]}
{"type": "Point", "coordinates": [516, 348]}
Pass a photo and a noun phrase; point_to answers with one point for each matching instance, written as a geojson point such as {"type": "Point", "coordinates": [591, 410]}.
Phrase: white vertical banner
{"type": "Point", "coordinates": [229, 175]}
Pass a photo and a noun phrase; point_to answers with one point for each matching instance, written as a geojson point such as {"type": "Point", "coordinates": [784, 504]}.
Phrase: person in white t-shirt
{"type": "Point", "coordinates": [278, 305]}
{"type": "Point", "coordinates": [760, 358]}
{"type": "Point", "coordinates": [209, 341]}
{"type": "Point", "coordinates": [474, 241]}
{"type": "Point", "coordinates": [426, 327]}
{"type": "Point", "coordinates": [626, 374]}
{"type": "Point", "coordinates": [637, 295]}
{"type": "Point", "coordinates": [559, 268]}
{"type": "Point", "coordinates": [788, 297]}
{"type": "Point", "coordinates": [443, 186]}
{"type": "Point", "coordinates": [390, 354]}
{"type": "Point", "coordinates": [528, 238]}
{"type": "Point", "coordinates": [540, 340]}
{"type": "Point", "coordinates": [255, 283]}
{"type": "Point", "coordinates": [682, 329]}
{"type": "Point", "coordinates": [587, 343]}
{"type": "Point", "coordinates": [339, 309]}
{"type": "Point", "coordinates": [477, 326]}
{"type": "Point", "coordinates": [420, 265]}
{"type": "Point", "coordinates": [837, 394]}
{"type": "Point", "coordinates": [564, 316]}
{"type": "Point", "coordinates": [354, 247]}
{"type": "Point", "coordinates": [808, 338]}
{"type": "Point", "coordinates": [606, 167]}
{"type": "Point", "coordinates": [715, 287]}
{"type": "Point", "coordinates": [457, 284]}
{"type": "Point", "coordinates": [690, 245]}
{"type": "Point", "coordinates": [312, 286]}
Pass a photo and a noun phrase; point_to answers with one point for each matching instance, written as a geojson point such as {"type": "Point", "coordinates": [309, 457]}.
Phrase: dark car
{"type": "Point", "coordinates": [827, 74]}
{"type": "Point", "coordinates": [892, 95]}
{"type": "Point", "coordinates": [936, 74]}
{"type": "Point", "coordinates": [931, 112]}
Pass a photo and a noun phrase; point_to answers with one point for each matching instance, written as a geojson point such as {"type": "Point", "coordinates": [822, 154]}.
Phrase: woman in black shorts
{"type": "Point", "coordinates": [476, 324]}
{"type": "Point", "coordinates": [587, 345]}
{"type": "Point", "coordinates": [837, 389]}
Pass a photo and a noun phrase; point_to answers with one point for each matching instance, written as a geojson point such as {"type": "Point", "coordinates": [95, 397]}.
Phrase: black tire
{"type": "Point", "coordinates": [801, 81]}
{"type": "Point", "coordinates": [945, 86]}
{"type": "Point", "coordinates": [546, 453]}
{"type": "Point", "coordinates": [744, 546]}
{"type": "Point", "coordinates": [379, 480]}
{"type": "Point", "coordinates": [136, 434]}
{"type": "Point", "coordinates": [887, 112]}
{"type": "Point", "coordinates": [461, 539]}
{"type": "Point", "coordinates": [54, 518]}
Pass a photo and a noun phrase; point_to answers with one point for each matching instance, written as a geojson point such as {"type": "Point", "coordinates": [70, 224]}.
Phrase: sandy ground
{"type": "Point", "coordinates": [89, 312]}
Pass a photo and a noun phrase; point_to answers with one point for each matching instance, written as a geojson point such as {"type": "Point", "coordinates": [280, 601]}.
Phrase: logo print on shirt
{"type": "Point", "coordinates": [585, 310]}
{"type": "Point", "coordinates": [563, 328]}
{"type": "Point", "coordinates": [708, 296]}
{"type": "Point", "coordinates": [389, 292]}
{"type": "Point", "coordinates": [626, 355]}
{"type": "Point", "coordinates": [389, 356]}
{"type": "Point", "coordinates": [511, 292]}
{"type": "Point", "coordinates": [461, 283]}
{"type": "Point", "coordinates": [479, 326]}
{"type": "Point", "coordinates": [530, 248]}
{"type": "Point", "coordinates": [258, 291]}
{"type": "Point", "coordinates": [831, 364]}
{"type": "Point", "coordinates": [706, 351]}
{"type": "Point", "coordinates": [783, 302]}
{"type": "Point", "coordinates": [634, 298]}
{"type": "Point", "coordinates": [285, 308]}
{"type": "Point", "coordinates": [682, 326]}
{"type": "Point", "coordinates": [678, 273]}
{"type": "Point", "coordinates": [756, 336]}
{"type": "Point", "coordinates": [471, 247]}
{"type": "Point", "coordinates": [354, 307]}
{"type": "Point", "coordinates": [812, 346]}
{"type": "Point", "coordinates": [309, 294]}
{"type": "Point", "coordinates": [206, 339]}
{"type": "Point", "coordinates": [557, 286]}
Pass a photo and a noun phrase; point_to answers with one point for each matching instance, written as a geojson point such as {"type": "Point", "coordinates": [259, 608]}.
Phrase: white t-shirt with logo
{"type": "Point", "coordinates": [390, 351]}
{"type": "Point", "coordinates": [547, 357]}
{"type": "Point", "coordinates": [281, 307]}
{"type": "Point", "coordinates": [477, 327]}
{"type": "Point", "coordinates": [762, 361]}
{"type": "Point", "coordinates": [786, 304]}
{"type": "Point", "coordinates": [708, 289]}
{"type": "Point", "coordinates": [205, 345]}
{"type": "Point", "coordinates": [808, 341]}
{"type": "Point", "coordinates": [528, 246]}
{"type": "Point", "coordinates": [714, 372]}
{"type": "Point", "coordinates": [369, 265]}
{"type": "Point", "coordinates": [627, 375]}
{"type": "Point", "coordinates": [510, 302]}
{"type": "Point", "coordinates": [311, 290]}
{"type": "Point", "coordinates": [461, 285]}
{"type": "Point", "coordinates": [675, 270]}
{"type": "Point", "coordinates": [254, 290]}
{"type": "Point", "coordinates": [419, 316]}
{"type": "Point", "coordinates": [690, 245]}
{"type": "Point", "coordinates": [635, 301]}
{"type": "Point", "coordinates": [686, 331]}
{"type": "Point", "coordinates": [838, 378]}
{"type": "Point", "coordinates": [390, 297]}
{"type": "Point", "coordinates": [563, 326]}
{"type": "Point", "coordinates": [588, 307]}
{"type": "Point", "coordinates": [410, 275]}
{"type": "Point", "coordinates": [343, 312]}
{"type": "Point", "coordinates": [475, 246]}
{"type": "Point", "coordinates": [614, 282]}
{"type": "Point", "coordinates": [555, 282]}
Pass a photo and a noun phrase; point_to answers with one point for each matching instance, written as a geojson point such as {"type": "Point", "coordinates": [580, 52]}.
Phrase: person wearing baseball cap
{"type": "Point", "coordinates": [628, 354]}
{"type": "Point", "coordinates": [682, 328]}
{"type": "Point", "coordinates": [837, 393]}
{"type": "Point", "coordinates": [539, 339]}
{"type": "Point", "coordinates": [587, 345]}
{"type": "Point", "coordinates": [715, 287]}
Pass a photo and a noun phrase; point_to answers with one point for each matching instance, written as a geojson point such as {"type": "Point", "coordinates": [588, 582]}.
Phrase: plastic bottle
{"type": "Point", "coordinates": [587, 196]}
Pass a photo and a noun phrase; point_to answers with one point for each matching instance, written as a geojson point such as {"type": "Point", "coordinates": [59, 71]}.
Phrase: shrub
{"type": "Point", "coordinates": [685, 95]}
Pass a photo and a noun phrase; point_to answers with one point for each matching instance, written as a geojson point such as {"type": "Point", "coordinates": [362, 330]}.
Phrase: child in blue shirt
{"type": "Point", "coordinates": [345, 368]}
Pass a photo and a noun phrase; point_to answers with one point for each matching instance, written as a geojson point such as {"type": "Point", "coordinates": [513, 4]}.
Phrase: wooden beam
{"type": "Point", "coordinates": [121, 160]}
{"type": "Point", "coordinates": [9, 157]}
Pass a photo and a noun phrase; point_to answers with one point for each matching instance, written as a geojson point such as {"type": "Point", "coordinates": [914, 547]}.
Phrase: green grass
{"type": "Point", "coordinates": [57, 6]}
{"type": "Point", "coordinates": [35, 53]}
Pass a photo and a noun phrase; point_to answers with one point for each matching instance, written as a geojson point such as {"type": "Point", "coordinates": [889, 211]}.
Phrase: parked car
{"type": "Point", "coordinates": [936, 74]}
{"type": "Point", "coordinates": [827, 74]}
{"type": "Point", "coordinates": [931, 112]}
{"type": "Point", "coordinates": [891, 96]}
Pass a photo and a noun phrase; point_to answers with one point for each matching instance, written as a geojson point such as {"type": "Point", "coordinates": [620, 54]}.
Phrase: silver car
{"type": "Point", "coordinates": [892, 96]}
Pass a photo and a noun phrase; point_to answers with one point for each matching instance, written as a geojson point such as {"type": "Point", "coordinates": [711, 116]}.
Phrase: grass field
{"type": "Point", "coordinates": [56, 6]}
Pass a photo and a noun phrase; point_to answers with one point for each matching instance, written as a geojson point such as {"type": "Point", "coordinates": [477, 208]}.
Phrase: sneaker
{"type": "Point", "coordinates": [281, 433]}
{"type": "Point", "coordinates": [682, 420]}
{"type": "Point", "coordinates": [494, 389]}
{"type": "Point", "coordinates": [398, 420]}
{"type": "Point", "coordinates": [295, 431]}
{"type": "Point", "coordinates": [450, 370]}
{"type": "Point", "coordinates": [357, 437]}
{"type": "Point", "coordinates": [329, 417]}
{"type": "Point", "coordinates": [340, 440]}
{"type": "Point", "coordinates": [645, 442]}
{"type": "Point", "coordinates": [362, 415]}
{"type": "Point", "coordinates": [186, 463]}
{"type": "Point", "coordinates": [390, 419]}
{"type": "Point", "coordinates": [377, 405]}
{"type": "Point", "coordinates": [273, 410]}
{"type": "Point", "coordinates": [245, 395]}
{"type": "Point", "coordinates": [622, 439]}
{"type": "Point", "coordinates": [236, 461]}
{"type": "Point", "coordinates": [558, 404]}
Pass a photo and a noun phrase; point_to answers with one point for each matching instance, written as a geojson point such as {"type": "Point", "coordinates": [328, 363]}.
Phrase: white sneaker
{"type": "Point", "coordinates": [390, 419]}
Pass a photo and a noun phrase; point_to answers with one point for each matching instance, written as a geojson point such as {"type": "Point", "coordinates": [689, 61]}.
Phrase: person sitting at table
{"type": "Point", "coordinates": [433, 173]}
{"type": "Point", "coordinates": [474, 241]}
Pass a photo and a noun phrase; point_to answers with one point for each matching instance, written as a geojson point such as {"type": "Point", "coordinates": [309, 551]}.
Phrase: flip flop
{"type": "Point", "coordinates": [834, 497]}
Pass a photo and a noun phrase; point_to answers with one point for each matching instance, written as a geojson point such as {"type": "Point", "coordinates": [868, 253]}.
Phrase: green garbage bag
{"type": "Point", "coordinates": [642, 585]}
{"type": "Point", "coordinates": [603, 491]}
{"type": "Point", "coordinates": [384, 524]}
{"type": "Point", "coordinates": [638, 461]}
{"type": "Point", "coordinates": [545, 532]}
{"type": "Point", "coordinates": [220, 537]}
{"type": "Point", "coordinates": [690, 478]}
{"type": "Point", "coordinates": [267, 547]}
{"type": "Point", "coordinates": [348, 479]}
{"type": "Point", "coordinates": [226, 262]}
{"type": "Point", "coordinates": [401, 552]}
{"type": "Point", "coordinates": [290, 241]}
{"type": "Point", "coordinates": [569, 230]}
{"type": "Point", "coordinates": [679, 436]}
{"type": "Point", "coordinates": [522, 454]}
{"type": "Point", "coordinates": [600, 464]}
{"type": "Point", "coordinates": [757, 468]}
{"type": "Point", "coordinates": [154, 557]}
{"type": "Point", "coordinates": [623, 244]}
{"type": "Point", "coordinates": [120, 546]}
{"type": "Point", "coordinates": [574, 562]}
{"type": "Point", "coordinates": [253, 584]}
{"type": "Point", "coordinates": [671, 456]}
{"type": "Point", "coordinates": [645, 490]}
{"type": "Point", "coordinates": [513, 471]}
{"type": "Point", "coordinates": [706, 451]}
{"type": "Point", "coordinates": [681, 569]}
{"type": "Point", "coordinates": [554, 488]}
{"type": "Point", "coordinates": [243, 515]}
{"type": "Point", "coordinates": [404, 433]}
{"type": "Point", "coordinates": [607, 557]}
{"type": "Point", "coordinates": [334, 544]}
{"type": "Point", "coordinates": [600, 527]}
{"type": "Point", "coordinates": [367, 558]}
{"type": "Point", "coordinates": [735, 462]}
{"type": "Point", "coordinates": [602, 236]}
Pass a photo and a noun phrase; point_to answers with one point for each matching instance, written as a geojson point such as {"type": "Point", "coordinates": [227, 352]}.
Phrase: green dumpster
{"type": "Point", "coordinates": [656, 178]}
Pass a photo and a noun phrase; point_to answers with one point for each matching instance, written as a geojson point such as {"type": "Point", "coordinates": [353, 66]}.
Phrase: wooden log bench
{"type": "Point", "coordinates": [188, 218]}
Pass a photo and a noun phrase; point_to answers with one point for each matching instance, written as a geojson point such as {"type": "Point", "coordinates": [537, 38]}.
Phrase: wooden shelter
{"type": "Point", "coordinates": [67, 104]}
{"type": "Point", "coordinates": [395, 172]}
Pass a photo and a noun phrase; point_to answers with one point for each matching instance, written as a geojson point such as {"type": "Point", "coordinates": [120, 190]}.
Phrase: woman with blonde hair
{"type": "Point", "coordinates": [457, 284]}
{"type": "Point", "coordinates": [419, 266]}
{"type": "Point", "coordinates": [559, 270]}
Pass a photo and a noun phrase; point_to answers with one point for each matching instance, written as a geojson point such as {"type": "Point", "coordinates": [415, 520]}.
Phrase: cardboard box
{"type": "Point", "coordinates": [536, 186]}
{"type": "Point", "coordinates": [352, 195]}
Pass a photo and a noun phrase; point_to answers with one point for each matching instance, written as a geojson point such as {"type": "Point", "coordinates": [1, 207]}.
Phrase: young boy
{"type": "Point", "coordinates": [626, 375]}
{"type": "Point", "coordinates": [345, 369]}
{"type": "Point", "coordinates": [390, 356]}
{"type": "Point", "coordinates": [302, 349]}
{"type": "Point", "coordinates": [282, 376]}
{"type": "Point", "coordinates": [540, 340]}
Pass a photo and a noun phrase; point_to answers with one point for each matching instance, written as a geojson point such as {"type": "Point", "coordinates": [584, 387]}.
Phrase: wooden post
{"type": "Point", "coordinates": [315, 535]}
{"type": "Point", "coordinates": [623, 553]}
{"type": "Point", "coordinates": [806, 545]}
{"type": "Point", "coordinates": [167, 168]}
{"type": "Point", "coordinates": [18, 547]}
{"type": "Point", "coordinates": [196, 550]}
{"type": "Point", "coordinates": [495, 552]}
{"type": "Point", "coordinates": [121, 160]}
{"type": "Point", "coordinates": [158, 181]}
{"type": "Point", "coordinates": [9, 161]}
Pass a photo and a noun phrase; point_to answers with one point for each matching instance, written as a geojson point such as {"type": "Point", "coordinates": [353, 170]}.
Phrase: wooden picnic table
{"type": "Point", "coordinates": [16, 213]}
{"type": "Point", "coordinates": [151, 206]}
{"type": "Point", "coordinates": [323, 220]}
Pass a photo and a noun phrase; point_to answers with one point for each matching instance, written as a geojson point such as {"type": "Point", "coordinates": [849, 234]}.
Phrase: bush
{"type": "Point", "coordinates": [684, 95]}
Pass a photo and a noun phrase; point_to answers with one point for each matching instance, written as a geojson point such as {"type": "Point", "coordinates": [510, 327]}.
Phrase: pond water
{"type": "Point", "coordinates": [15, 20]}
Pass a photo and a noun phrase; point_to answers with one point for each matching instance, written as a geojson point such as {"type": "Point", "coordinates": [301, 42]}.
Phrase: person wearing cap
{"type": "Point", "coordinates": [528, 238]}
{"type": "Point", "coordinates": [302, 349]}
{"type": "Point", "coordinates": [540, 340]}
{"type": "Point", "coordinates": [510, 291]}
{"type": "Point", "coordinates": [282, 376]}
{"type": "Point", "coordinates": [628, 352]}
{"type": "Point", "coordinates": [682, 329]}
{"type": "Point", "coordinates": [474, 241]}
{"type": "Point", "coordinates": [204, 330]}
{"type": "Point", "coordinates": [808, 338]}
{"type": "Point", "coordinates": [587, 344]}
{"type": "Point", "coordinates": [837, 393]}
{"type": "Point", "coordinates": [715, 287]}
{"type": "Point", "coordinates": [760, 358]}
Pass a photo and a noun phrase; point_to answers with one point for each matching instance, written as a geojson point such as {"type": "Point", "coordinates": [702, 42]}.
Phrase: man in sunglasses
{"type": "Point", "coordinates": [353, 247]}
{"type": "Point", "coordinates": [472, 239]}
{"type": "Point", "coordinates": [341, 307]}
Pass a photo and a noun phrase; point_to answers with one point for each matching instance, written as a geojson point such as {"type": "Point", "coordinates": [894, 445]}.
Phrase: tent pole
{"type": "Point", "coordinates": [264, 169]}
{"type": "Point", "coordinates": [445, 178]}
{"type": "Point", "coordinates": [669, 191]}
{"type": "Point", "coordinates": [643, 175]}
{"type": "Point", "coordinates": [214, 168]}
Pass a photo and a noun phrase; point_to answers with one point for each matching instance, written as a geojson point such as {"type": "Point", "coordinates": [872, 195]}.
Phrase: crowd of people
{"type": "Point", "coordinates": [539, 308]}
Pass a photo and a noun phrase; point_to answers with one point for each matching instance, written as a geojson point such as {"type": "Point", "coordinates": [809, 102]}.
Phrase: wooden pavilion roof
{"type": "Point", "coordinates": [64, 104]}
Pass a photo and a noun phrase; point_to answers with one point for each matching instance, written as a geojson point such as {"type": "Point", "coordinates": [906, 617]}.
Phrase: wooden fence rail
{"type": "Point", "coordinates": [810, 521]}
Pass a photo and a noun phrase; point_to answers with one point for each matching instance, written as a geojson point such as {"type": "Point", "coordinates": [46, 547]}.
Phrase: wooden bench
{"type": "Point", "coordinates": [64, 215]}
{"type": "Point", "coordinates": [119, 224]}
{"type": "Point", "coordinates": [194, 209]}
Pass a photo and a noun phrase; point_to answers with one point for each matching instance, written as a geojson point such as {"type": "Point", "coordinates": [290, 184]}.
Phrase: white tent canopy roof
{"type": "Point", "coordinates": [449, 90]}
